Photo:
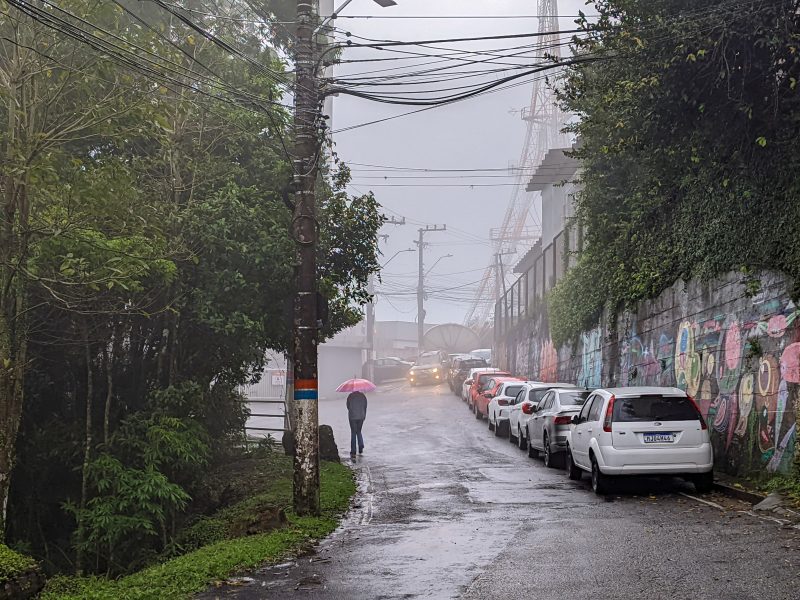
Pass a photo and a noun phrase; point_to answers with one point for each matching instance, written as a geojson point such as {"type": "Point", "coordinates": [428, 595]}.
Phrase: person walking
{"type": "Point", "coordinates": [356, 412]}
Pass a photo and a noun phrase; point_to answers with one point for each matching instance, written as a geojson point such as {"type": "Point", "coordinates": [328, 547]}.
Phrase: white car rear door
{"type": "Point", "coordinates": [653, 422]}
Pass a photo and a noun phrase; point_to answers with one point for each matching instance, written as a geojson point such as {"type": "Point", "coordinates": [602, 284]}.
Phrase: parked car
{"type": "Point", "coordinates": [640, 431]}
{"type": "Point", "coordinates": [484, 353]}
{"type": "Point", "coordinates": [385, 369]}
{"type": "Point", "coordinates": [460, 368]}
{"type": "Point", "coordinates": [495, 385]}
{"type": "Point", "coordinates": [523, 408]}
{"type": "Point", "coordinates": [427, 369]}
{"type": "Point", "coordinates": [481, 383]}
{"type": "Point", "coordinates": [466, 387]}
{"type": "Point", "coordinates": [547, 430]}
{"type": "Point", "coordinates": [501, 404]}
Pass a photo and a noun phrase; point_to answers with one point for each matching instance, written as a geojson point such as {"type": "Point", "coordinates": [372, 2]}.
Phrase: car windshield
{"type": "Point", "coordinates": [537, 395]}
{"type": "Point", "coordinates": [655, 408]}
{"type": "Point", "coordinates": [512, 390]}
{"type": "Point", "coordinates": [573, 398]}
{"type": "Point", "coordinates": [431, 360]}
{"type": "Point", "coordinates": [471, 363]}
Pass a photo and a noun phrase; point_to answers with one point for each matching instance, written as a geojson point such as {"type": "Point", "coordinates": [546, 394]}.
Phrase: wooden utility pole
{"type": "Point", "coordinates": [421, 283]}
{"type": "Point", "coordinates": [305, 330]}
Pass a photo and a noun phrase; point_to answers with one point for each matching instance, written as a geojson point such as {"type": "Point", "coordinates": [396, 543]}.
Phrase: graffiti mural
{"type": "Point", "coordinates": [591, 359]}
{"type": "Point", "coordinates": [740, 360]}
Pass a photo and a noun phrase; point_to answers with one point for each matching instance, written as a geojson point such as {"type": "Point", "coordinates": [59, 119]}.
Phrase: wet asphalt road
{"type": "Point", "coordinates": [446, 510]}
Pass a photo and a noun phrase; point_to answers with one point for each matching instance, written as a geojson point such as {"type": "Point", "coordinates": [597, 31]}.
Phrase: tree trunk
{"type": "Point", "coordinates": [87, 452]}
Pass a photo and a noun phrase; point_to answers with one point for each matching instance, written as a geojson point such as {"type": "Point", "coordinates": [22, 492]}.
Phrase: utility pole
{"type": "Point", "coordinates": [371, 308]}
{"type": "Point", "coordinates": [305, 330]}
{"type": "Point", "coordinates": [498, 259]}
{"type": "Point", "coordinates": [421, 282]}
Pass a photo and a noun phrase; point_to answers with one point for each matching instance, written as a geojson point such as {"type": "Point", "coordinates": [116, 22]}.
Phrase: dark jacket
{"type": "Point", "coordinates": [357, 406]}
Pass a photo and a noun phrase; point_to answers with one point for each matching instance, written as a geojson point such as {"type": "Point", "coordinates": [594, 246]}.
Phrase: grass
{"type": "Point", "coordinates": [13, 563]}
{"type": "Point", "coordinates": [185, 575]}
{"type": "Point", "coordinates": [786, 485]}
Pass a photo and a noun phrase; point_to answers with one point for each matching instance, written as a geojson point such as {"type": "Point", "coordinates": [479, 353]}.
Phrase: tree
{"type": "Point", "coordinates": [688, 128]}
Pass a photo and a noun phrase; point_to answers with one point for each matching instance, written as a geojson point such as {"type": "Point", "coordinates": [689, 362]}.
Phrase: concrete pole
{"type": "Point", "coordinates": [304, 230]}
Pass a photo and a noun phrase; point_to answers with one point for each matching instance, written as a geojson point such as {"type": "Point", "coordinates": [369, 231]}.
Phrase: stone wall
{"type": "Point", "coordinates": [737, 355]}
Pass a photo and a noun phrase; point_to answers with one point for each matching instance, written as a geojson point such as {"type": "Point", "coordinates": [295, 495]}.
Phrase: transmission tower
{"type": "Point", "coordinates": [543, 121]}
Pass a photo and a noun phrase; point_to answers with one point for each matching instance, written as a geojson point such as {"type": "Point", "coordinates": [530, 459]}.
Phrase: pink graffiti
{"type": "Point", "coordinates": [733, 346]}
{"type": "Point", "coordinates": [776, 326]}
{"type": "Point", "coordinates": [790, 363]}
{"type": "Point", "coordinates": [548, 362]}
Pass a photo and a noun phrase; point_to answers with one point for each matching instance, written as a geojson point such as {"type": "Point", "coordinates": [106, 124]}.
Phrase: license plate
{"type": "Point", "coordinates": [658, 438]}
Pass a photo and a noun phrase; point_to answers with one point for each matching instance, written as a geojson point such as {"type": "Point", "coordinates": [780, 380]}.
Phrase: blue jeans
{"type": "Point", "coordinates": [355, 435]}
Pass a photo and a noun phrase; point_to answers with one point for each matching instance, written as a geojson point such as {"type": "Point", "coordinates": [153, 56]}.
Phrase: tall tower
{"type": "Point", "coordinates": [543, 121]}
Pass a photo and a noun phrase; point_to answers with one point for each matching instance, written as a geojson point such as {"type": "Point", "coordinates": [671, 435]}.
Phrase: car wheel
{"type": "Point", "coordinates": [704, 482]}
{"type": "Point", "coordinates": [548, 455]}
{"type": "Point", "coordinates": [574, 471]}
{"type": "Point", "coordinates": [492, 426]}
{"type": "Point", "coordinates": [512, 437]}
{"type": "Point", "coordinates": [532, 452]}
{"type": "Point", "coordinates": [599, 481]}
{"type": "Point", "coordinates": [522, 443]}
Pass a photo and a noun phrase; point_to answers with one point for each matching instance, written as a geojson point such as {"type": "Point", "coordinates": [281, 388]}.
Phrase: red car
{"type": "Point", "coordinates": [479, 383]}
{"type": "Point", "coordinates": [493, 387]}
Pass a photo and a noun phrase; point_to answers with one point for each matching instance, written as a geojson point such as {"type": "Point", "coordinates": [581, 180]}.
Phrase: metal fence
{"type": "Point", "coordinates": [267, 402]}
{"type": "Point", "coordinates": [524, 297]}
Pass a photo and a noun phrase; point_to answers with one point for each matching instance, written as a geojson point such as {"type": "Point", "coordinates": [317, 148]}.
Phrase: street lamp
{"type": "Point", "coordinates": [437, 262]}
{"type": "Point", "coordinates": [334, 14]}
{"type": "Point", "coordinates": [395, 254]}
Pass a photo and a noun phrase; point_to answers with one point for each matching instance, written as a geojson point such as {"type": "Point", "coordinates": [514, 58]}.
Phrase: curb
{"type": "Point", "coordinates": [738, 493]}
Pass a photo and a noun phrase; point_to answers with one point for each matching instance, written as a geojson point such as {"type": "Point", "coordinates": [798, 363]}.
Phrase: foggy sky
{"type": "Point", "coordinates": [476, 133]}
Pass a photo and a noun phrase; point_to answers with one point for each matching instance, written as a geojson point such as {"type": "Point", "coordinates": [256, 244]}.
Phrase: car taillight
{"type": "Point", "coordinates": [502, 402]}
{"type": "Point", "coordinates": [562, 420]}
{"type": "Point", "coordinates": [703, 424]}
{"type": "Point", "coordinates": [609, 411]}
{"type": "Point", "coordinates": [527, 408]}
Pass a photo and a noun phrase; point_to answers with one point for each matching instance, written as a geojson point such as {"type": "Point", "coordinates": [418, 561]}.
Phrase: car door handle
{"type": "Point", "coordinates": [588, 431]}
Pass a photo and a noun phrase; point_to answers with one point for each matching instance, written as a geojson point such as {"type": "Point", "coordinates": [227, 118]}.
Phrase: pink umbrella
{"type": "Point", "coordinates": [357, 385]}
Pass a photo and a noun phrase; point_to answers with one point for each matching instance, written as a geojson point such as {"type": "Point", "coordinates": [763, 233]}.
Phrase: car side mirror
{"type": "Point", "coordinates": [487, 394]}
{"type": "Point", "coordinates": [575, 419]}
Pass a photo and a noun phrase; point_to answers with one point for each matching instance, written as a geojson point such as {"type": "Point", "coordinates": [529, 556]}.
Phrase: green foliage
{"type": "Point", "coordinates": [155, 270]}
{"type": "Point", "coordinates": [13, 563]}
{"type": "Point", "coordinates": [689, 117]}
{"type": "Point", "coordinates": [190, 573]}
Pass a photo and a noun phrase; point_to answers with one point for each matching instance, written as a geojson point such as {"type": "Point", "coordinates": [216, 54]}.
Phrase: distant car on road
{"type": "Point", "coordinates": [640, 431]}
{"type": "Point", "coordinates": [459, 369]}
{"type": "Point", "coordinates": [548, 428]}
{"type": "Point", "coordinates": [466, 387]}
{"type": "Point", "coordinates": [481, 382]}
{"type": "Point", "coordinates": [495, 386]}
{"type": "Point", "coordinates": [523, 408]}
{"type": "Point", "coordinates": [429, 368]}
{"type": "Point", "coordinates": [484, 353]}
{"type": "Point", "coordinates": [386, 369]}
{"type": "Point", "coordinates": [500, 405]}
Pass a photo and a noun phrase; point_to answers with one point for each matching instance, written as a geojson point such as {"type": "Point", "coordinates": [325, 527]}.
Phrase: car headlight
{"type": "Point", "coordinates": [436, 370]}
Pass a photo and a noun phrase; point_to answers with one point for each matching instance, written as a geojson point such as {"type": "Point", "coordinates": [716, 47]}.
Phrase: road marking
{"type": "Point", "coordinates": [708, 502]}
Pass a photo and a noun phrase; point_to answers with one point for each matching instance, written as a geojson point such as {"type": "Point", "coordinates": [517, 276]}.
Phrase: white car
{"type": "Point", "coordinates": [640, 431]}
{"type": "Point", "coordinates": [523, 408]}
{"type": "Point", "coordinates": [500, 405]}
{"type": "Point", "coordinates": [468, 381]}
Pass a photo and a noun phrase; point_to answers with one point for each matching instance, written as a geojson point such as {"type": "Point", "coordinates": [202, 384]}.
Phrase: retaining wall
{"type": "Point", "coordinates": [738, 355]}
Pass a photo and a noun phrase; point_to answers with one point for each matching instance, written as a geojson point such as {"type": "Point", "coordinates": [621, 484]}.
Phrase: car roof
{"type": "Point", "coordinates": [624, 392]}
{"type": "Point", "coordinates": [553, 385]}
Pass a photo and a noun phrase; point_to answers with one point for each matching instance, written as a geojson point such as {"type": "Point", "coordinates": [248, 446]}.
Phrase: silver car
{"type": "Point", "coordinates": [548, 427]}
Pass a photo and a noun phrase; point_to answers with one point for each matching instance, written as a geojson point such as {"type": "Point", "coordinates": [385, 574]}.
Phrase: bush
{"type": "Point", "coordinates": [13, 563]}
